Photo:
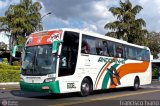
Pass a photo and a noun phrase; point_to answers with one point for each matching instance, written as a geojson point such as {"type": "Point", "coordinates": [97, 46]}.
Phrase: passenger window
{"type": "Point", "coordinates": [111, 47]}
{"type": "Point", "coordinates": [105, 48]}
{"type": "Point", "coordinates": [119, 50]}
{"type": "Point", "coordinates": [85, 47]}
{"type": "Point", "coordinates": [139, 54]}
{"type": "Point", "coordinates": [130, 52]}
{"type": "Point", "coordinates": [88, 45]}
{"type": "Point", "coordinates": [146, 56]}
{"type": "Point", "coordinates": [99, 47]}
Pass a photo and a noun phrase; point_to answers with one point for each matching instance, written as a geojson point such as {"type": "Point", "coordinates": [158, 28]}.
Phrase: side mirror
{"type": "Point", "coordinates": [14, 50]}
{"type": "Point", "coordinates": [55, 45]}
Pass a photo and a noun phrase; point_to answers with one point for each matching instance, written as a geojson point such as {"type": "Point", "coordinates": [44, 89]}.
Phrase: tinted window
{"type": "Point", "coordinates": [130, 52]}
{"type": "Point", "coordinates": [111, 48]}
{"type": "Point", "coordinates": [88, 45]}
{"type": "Point", "coordinates": [69, 54]}
{"type": "Point", "coordinates": [96, 46]}
{"type": "Point", "coordinates": [119, 50]}
{"type": "Point", "coordinates": [137, 53]}
{"type": "Point", "coordinates": [105, 49]}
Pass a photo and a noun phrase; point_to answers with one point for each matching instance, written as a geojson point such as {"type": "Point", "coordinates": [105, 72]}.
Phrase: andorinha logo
{"type": "Point", "coordinates": [108, 60]}
{"type": "Point", "coordinates": [54, 37]}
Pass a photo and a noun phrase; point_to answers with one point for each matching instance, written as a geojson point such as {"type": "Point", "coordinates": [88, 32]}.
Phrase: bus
{"type": "Point", "coordinates": [70, 60]}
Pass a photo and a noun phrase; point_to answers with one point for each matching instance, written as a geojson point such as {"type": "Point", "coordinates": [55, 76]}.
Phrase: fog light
{"type": "Point", "coordinates": [45, 87]}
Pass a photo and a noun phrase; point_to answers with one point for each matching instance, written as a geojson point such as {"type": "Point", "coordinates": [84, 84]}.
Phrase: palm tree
{"type": "Point", "coordinates": [126, 26]}
{"type": "Point", "coordinates": [22, 19]}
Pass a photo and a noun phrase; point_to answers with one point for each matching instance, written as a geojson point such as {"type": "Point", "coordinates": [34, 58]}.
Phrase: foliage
{"type": "Point", "coordinates": [152, 40]}
{"type": "Point", "coordinates": [9, 73]}
{"type": "Point", "coordinates": [4, 66]}
{"type": "Point", "coordinates": [22, 19]}
{"type": "Point", "coordinates": [155, 72]}
{"type": "Point", "coordinates": [5, 61]}
{"type": "Point", "coordinates": [126, 26]}
{"type": "Point", "coordinates": [3, 46]}
{"type": "Point", "coordinates": [16, 63]}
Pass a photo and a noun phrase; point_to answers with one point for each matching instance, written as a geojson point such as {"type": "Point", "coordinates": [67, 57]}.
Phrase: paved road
{"type": "Point", "coordinates": [112, 97]}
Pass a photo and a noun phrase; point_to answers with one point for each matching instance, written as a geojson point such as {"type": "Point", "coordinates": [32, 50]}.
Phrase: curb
{"type": "Point", "coordinates": [9, 89]}
{"type": "Point", "coordinates": [9, 83]}
{"type": "Point", "coordinates": [9, 86]}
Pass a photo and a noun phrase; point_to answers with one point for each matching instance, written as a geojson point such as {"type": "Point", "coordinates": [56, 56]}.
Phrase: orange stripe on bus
{"type": "Point", "coordinates": [130, 68]}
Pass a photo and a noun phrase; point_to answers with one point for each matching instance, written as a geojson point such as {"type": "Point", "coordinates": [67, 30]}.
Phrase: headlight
{"type": "Point", "coordinates": [49, 79]}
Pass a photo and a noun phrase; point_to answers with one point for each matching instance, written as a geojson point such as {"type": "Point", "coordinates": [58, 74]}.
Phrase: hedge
{"type": "Point", "coordinates": [9, 73]}
{"type": "Point", "coordinates": [6, 66]}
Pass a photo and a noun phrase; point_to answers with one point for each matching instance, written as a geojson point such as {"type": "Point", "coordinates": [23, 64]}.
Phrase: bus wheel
{"type": "Point", "coordinates": [136, 84]}
{"type": "Point", "coordinates": [86, 87]}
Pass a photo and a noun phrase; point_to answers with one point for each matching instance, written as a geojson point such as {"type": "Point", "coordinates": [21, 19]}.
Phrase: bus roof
{"type": "Point", "coordinates": [94, 34]}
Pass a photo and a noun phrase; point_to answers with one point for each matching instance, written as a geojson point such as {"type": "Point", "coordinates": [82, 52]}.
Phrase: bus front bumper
{"type": "Point", "coordinates": [50, 87]}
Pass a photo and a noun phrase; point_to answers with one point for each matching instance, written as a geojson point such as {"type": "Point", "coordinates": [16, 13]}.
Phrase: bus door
{"type": "Point", "coordinates": [68, 60]}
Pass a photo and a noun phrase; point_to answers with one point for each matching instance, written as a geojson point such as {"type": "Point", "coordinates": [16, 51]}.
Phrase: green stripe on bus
{"type": "Point", "coordinates": [99, 73]}
{"type": "Point", "coordinates": [105, 81]}
{"type": "Point", "coordinates": [106, 78]}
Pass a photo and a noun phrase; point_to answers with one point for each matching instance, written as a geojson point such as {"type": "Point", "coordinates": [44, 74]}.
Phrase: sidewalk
{"type": "Point", "coordinates": [9, 85]}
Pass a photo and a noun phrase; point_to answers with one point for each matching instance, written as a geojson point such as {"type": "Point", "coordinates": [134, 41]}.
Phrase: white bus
{"type": "Point", "coordinates": [70, 60]}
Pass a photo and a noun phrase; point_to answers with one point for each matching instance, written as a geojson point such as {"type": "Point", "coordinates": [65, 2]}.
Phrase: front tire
{"type": "Point", "coordinates": [86, 87]}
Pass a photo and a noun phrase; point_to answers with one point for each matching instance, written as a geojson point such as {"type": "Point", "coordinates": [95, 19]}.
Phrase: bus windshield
{"type": "Point", "coordinates": [38, 60]}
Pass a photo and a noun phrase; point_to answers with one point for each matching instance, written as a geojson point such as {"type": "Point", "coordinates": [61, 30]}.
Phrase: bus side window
{"type": "Point", "coordinates": [105, 48]}
{"type": "Point", "coordinates": [99, 47]}
{"type": "Point", "coordinates": [131, 52]}
{"type": "Point", "coordinates": [147, 56]}
{"type": "Point", "coordinates": [85, 47]}
{"type": "Point", "coordinates": [119, 50]}
{"type": "Point", "coordinates": [88, 45]}
{"type": "Point", "coordinates": [139, 54]}
{"type": "Point", "coordinates": [111, 49]}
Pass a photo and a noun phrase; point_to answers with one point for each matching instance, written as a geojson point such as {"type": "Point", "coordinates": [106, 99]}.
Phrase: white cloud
{"type": "Point", "coordinates": [3, 4]}
{"type": "Point", "coordinates": [89, 14]}
{"type": "Point", "coordinates": [151, 14]}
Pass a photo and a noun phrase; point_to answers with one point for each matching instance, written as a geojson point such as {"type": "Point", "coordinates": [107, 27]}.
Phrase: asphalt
{"type": "Point", "coordinates": [110, 97]}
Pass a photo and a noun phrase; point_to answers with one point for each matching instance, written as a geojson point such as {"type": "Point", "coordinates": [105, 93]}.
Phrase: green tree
{"type": "Point", "coordinates": [126, 26]}
{"type": "Point", "coordinates": [152, 40]}
{"type": "Point", "coordinates": [22, 19]}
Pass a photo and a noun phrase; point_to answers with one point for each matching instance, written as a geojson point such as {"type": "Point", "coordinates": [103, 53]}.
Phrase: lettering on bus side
{"type": "Point", "coordinates": [107, 60]}
{"type": "Point", "coordinates": [71, 85]}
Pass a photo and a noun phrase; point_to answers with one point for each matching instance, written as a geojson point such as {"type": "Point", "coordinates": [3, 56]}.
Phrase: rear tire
{"type": "Point", "coordinates": [136, 84]}
{"type": "Point", "coordinates": [86, 87]}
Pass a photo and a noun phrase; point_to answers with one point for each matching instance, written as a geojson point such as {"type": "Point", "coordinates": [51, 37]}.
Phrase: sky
{"type": "Point", "coordinates": [89, 15]}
